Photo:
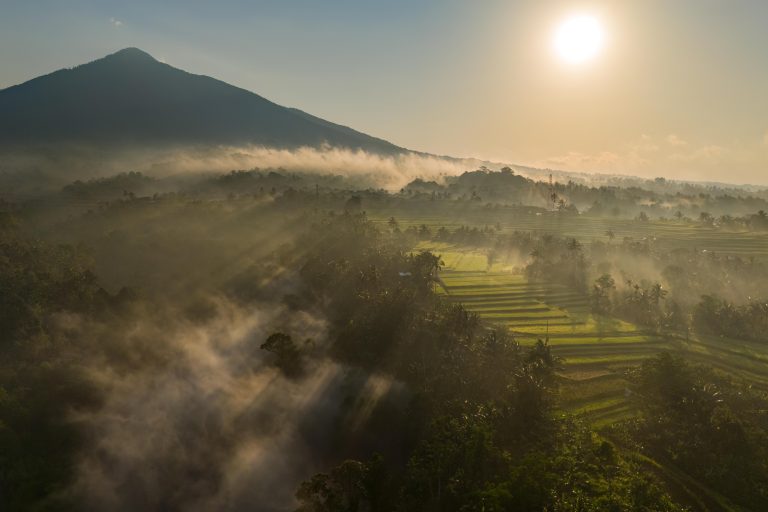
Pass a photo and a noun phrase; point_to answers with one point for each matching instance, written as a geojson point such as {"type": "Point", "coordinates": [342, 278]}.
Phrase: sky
{"type": "Point", "coordinates": [678, 89]}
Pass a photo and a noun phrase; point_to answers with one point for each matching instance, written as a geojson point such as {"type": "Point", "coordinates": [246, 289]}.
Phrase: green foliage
{"type": "Point", "coordinates": [601, 294]}
{"type": "Point", "coordinates": [643, 303]}
{"type": "Point", "coordinates": [37, 440]}
{"type": "Point", "coordinates": [473, 425]}
{"type": "Point", "coordinates": [460, 466]}
{"type": "Point", "coordinates": [705, 425]}
{"type": "Point", "coordinates": [122, 186]}
{"type": "Point", "coordinates": [36, 280]}
{"type": "Point", "coordinates": [559, 260]}
{"type": "Point", "coordinates": [349, 487]}
{"type": "Point", "coordinates": [288, 354]}
{"type": "Point", "coordinates": [487, 439]}
{"type": "Point", "coordinates": [746, 322]}
{"type": "Point", "coordinates": [39, 387]}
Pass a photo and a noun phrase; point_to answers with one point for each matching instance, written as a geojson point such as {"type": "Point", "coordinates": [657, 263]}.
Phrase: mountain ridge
{"type": "Point", "coordinates": [129, 97]}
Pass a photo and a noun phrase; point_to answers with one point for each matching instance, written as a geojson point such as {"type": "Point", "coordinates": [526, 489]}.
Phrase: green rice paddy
{"type": "Point", "coordinates": [595, 351]}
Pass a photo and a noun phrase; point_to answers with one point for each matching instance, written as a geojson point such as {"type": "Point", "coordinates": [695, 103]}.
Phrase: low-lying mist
{"type": "Point", "coordinates": [28, 171]}
{"type": "Point", "coordinates": [201, 420]}
{"type": "Point", "coordinates": [189, 412]}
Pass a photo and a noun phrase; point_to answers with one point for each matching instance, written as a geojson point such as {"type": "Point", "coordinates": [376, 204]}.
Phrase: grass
{"type": "Point", "coordinates": [597, 405]}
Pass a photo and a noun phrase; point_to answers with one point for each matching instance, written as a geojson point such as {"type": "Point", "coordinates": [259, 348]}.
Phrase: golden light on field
{"type": "Point", "coordinates": [579, 39]}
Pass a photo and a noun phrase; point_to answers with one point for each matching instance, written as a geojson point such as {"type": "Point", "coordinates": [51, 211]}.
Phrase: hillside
{"type": "Point", "coordinates": [129, 98]}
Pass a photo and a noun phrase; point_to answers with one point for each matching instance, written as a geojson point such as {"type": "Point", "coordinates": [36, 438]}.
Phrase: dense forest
{"type": "Point", "coordinates": [263, 340]}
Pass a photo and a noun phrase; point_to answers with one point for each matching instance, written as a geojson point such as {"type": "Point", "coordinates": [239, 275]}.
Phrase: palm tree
{"type": "Point", "coordinates": [657, 293]}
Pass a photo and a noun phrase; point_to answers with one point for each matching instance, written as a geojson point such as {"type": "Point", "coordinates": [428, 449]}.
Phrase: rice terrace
{"type": "Point", "coordinates": [596, 350]}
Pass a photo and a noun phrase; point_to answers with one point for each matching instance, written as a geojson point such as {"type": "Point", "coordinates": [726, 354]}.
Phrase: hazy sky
{"type": "Point", "coordinates": [680, 88]}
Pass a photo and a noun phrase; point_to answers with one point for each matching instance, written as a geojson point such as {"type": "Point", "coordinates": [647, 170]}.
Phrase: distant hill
{"type": "Point", "coordinates": [129, 98]}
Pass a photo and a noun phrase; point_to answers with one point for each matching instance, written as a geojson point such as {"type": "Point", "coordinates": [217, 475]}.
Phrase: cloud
{"type": "Point", "coordinates": [645, 155]}
{"type": "Point", "coordinates": [705, 155]}
{"type": "Point", "coordinates": [575, 160]}
{"type": "Point", "coordinates": [115, 22]}
{"type": "Point", "coordinates": [635, 155]}
{"type": "Point", "coordinates": [361, 168]}
{"type": "Point", "coordinates": [674, 140]}
{"type": "Point", "coordinates": [645, 144]}
{"type": "Point", "coordinates": [387, 171]}
{"type": "Point", "coordinates": [638, 151]}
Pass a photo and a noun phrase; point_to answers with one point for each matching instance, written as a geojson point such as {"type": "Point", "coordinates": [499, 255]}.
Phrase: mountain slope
{"type": "Point", "coordinates": [130, 98]}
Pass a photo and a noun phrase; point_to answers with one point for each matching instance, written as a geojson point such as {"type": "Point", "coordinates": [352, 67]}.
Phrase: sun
{"type": "Point", "coordinates": [579, 39]}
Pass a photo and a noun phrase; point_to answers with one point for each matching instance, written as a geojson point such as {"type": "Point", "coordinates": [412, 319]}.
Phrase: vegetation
{"type": "Point", "coordinates": [440, 348]}
{"type": "Point", "coordinates": [747, 322]}
{"type": "Point", "coordinates": [704, 424]}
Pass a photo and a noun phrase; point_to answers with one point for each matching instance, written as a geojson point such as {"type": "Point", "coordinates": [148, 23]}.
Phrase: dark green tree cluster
{"type": "Point", "coordinates": [41, 384]}
{"type": "Point", "coordinates": [288, 357]}
{"type": "Point", "coordinates": [560, 260]}
{"type": "Point", "coordinates": [704, 424]}
{"type": "Point", "coordinates": [746, 322]}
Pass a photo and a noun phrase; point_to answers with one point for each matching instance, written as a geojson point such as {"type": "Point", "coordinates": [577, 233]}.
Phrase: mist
{"type": "Point", "coordinates": [207, 423]}
{"type": "Point", "coordinates": [27, 172]}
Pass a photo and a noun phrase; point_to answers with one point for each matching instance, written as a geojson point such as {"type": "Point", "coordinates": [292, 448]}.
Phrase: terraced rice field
{"type": "Point", "coordinates": [536, 310]}
{"type": "Point", "coordinates": [587, 344]}
{"type": "Point", "coordinates": [595, 351]}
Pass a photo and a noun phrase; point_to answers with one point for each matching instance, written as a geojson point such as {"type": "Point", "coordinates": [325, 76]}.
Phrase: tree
{"type": "Point", "coordinates": [288, 354]}
{"type": "Point", "coordinates": [657, 293]}
{"type": "Point", "coordinates": [601, 294]}
{"type": "Point", "coordinates": [491, 256]}
{"type": "Point", "coordinates": [354, 204]}
{"type": "Point", "coordinates": [343, 490]}
{"type": "Point", "coordinates": [709, 426]}
{"type": "Point", "coordinates": [759, 220]}
{"type": "Point", "coordinates": [426, 266]}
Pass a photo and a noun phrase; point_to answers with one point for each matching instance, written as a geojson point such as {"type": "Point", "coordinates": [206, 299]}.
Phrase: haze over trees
{"type": "Point", "coordinates": [271, 339]}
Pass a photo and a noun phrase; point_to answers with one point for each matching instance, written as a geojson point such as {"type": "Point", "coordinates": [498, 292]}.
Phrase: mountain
{"type": "Point", "coordinates": [129, 98]}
